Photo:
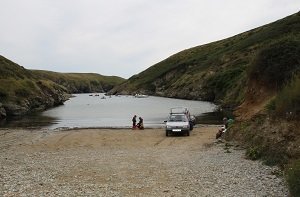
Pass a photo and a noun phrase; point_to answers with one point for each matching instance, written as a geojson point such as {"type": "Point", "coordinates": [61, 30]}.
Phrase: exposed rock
{"type": "Point", "coordinates": [13, 109]}
{"type": "Point", "coordinates": [29, 105]}
{"type": "Point", "coordinates": [2, 112]}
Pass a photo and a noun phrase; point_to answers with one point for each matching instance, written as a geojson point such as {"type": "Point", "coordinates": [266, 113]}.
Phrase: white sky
{"type": "Point", "coordinates": [122, 37]}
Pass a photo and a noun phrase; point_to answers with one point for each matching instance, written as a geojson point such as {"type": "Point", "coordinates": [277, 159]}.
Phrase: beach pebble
{"type": "Point", "coordinates": [169, 170]}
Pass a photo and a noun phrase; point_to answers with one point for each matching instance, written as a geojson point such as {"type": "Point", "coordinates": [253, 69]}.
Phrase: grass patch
{"type": "Point", "coordinates": [223, 81]}
{"type": "Point", "coordinates": [3, 93]}
{"type": "Point", "coordinates": [293, 177]}
{"type": "Point", "coordinates": [268, 156]}
{"type": "Point", "coordinates": [288, 100]}
{"type": "Point", "coordinates": [275, 64]}
{"type": "Point", "coordinates": [253, 153]}
{"type": "Point", "coordinates": [274, 156]}
{"type": "Point", "coordinates": [271, 106]}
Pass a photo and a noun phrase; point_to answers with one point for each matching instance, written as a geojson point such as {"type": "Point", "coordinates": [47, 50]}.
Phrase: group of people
{"type": "Point", "coordinates": [139, 125]}
{"type": "Point", "coordinates": [226, 123]}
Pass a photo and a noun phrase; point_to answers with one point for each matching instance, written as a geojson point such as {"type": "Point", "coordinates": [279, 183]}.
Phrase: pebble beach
{"type": "Point", "coordinates": [124, 162]}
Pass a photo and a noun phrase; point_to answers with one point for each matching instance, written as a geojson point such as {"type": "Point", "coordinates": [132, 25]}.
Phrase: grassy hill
{"type": "Point", "coordinates": [23, 91]}
{"type": "Point", "coordinates": [217, 71]}
{"type": "Point", "coordinates": [256, 73]}
{"type": "Point", "coordinates": [81, 82]}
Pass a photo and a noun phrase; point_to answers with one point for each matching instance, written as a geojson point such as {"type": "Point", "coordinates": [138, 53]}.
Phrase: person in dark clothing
{"type": "Point", "coordinates": [140, 125]}
{"type": "Point", "coordinates": [225, 122]}
{"type": "Point", "coordinates": [134, 122]}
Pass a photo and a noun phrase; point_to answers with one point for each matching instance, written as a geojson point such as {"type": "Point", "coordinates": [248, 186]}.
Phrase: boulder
{"type": "Point", "coordinates": [13, 109]}
{"type": "Point", "coordinates": [2, 112]}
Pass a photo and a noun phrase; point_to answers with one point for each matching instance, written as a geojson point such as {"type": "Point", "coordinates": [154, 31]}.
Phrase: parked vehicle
{"type": "Point", "coordinates": [184, 110]}
{"type": "Point", "coordinates": [179, 121]}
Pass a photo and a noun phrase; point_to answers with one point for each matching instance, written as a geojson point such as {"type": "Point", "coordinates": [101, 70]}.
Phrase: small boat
{"type": "Point", "coordinates": [140, 96]}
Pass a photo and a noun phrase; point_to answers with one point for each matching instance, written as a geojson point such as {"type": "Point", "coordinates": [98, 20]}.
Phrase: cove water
{"type": "Point", "coordinates": [86, 110]}
{"type": "Point", "coordinates": [90, 111]}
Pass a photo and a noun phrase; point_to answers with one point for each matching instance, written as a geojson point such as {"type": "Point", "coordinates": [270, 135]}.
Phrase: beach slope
{"type": "Point", "coordinates": [123, 162]}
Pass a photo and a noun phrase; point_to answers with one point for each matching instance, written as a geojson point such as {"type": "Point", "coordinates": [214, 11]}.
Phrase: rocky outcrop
{"type": "Point", "coordinates": [31, 105]}
{"type": "Point", "coordinates": [47, 97]}
{"type": "Point", "coordinates": [23, 91]}
{"type": "Point", "coordinates": [13, 109]}
{"type": "Point", "coordinates": [2, 112]}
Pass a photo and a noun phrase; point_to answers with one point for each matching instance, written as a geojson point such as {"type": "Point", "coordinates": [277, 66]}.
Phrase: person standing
{"type": "Point", "coordinates": [134, 122]}
{"type": "Point", "coordinates": [225, 122]}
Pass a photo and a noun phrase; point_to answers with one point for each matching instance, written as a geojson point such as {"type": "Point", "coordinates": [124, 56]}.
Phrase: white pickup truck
{"type": "Point", "coordinates": [179, 121]}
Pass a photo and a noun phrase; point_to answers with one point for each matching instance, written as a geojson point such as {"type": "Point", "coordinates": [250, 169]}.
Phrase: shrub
{"type": "Point", "coordinates": [253, 153]}
{"type": "Point", "coordinates": [3, 93]}
{"type": "Point", "coordinates": [288, 100]}
{"type": "Point", "coordinates": [271, 106]}
{"type": "Point", "coordinates": [222, 82]}
{"type": "Point", "coordinates": [21, 92]}
{"type": "Point", "coordinates": [274, 156]}
{"type": "Point", "coordinates": [293, 178]}
{"type": "Point", "coordinates": [30, 84]}
{"type": "Point", "coordinates": [275, 64]}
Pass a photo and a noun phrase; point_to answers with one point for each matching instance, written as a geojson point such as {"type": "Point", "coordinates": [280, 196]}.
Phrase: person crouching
{"type": "Point", "coordinates": [140, 125]}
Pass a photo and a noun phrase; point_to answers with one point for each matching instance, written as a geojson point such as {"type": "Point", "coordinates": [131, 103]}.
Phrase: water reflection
{"type": "Point", "coordinates": [34, 120]}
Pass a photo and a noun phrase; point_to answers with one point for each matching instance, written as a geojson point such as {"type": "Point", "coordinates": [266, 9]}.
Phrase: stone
{"type": "Point", "coordinates": [2, 112]}
{"type": "Point", "coordinates": [15, 110]}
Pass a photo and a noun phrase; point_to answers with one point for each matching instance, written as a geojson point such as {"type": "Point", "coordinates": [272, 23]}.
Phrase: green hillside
{"type": "Point", "coordinates": [23, 91]}
{"type": "Point", "coordinates": [256, 74]}
{"type": "Point", "coordinates": [81, 82]}
{"type": "Point", "coordinates": [217, 71]}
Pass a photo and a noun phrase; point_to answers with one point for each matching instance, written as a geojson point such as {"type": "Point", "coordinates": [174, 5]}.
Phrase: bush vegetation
{"type": "Point", "coordinates": [253, 153]}
{"type": "Point", "coordinates": [288, 100]}
{"type": "Point", "coordinates": [276, 63]}
{"type": "Point", "coordinates": [224, 80]}
{"type": "Point", "coordinates": [293, 177]}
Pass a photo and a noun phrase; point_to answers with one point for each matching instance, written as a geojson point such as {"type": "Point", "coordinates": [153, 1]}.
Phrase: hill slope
{"type": "Point", "coordinates": [23, 91]}
{"type": "Point", "coordinates": [256, 73]}
{"type": "Point", "coordinates": [215, 72]}
{"type": "Point", "coordinates": [81, 82]}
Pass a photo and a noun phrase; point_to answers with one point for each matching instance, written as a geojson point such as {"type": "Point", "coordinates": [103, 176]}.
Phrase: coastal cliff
{"type": "Point", "coordinates": [24, 91]}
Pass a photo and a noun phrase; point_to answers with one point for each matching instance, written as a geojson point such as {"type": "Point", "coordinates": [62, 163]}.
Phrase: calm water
{"type": "Point", "coordinates": [115, 111]}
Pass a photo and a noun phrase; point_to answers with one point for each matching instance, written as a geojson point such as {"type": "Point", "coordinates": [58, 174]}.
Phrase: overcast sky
{"type": "Point", "coordinates": [122, 37]}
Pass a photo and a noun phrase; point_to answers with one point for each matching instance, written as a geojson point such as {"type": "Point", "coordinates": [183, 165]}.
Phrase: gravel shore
{"type": "Point", "coordinates": [110, 162]}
